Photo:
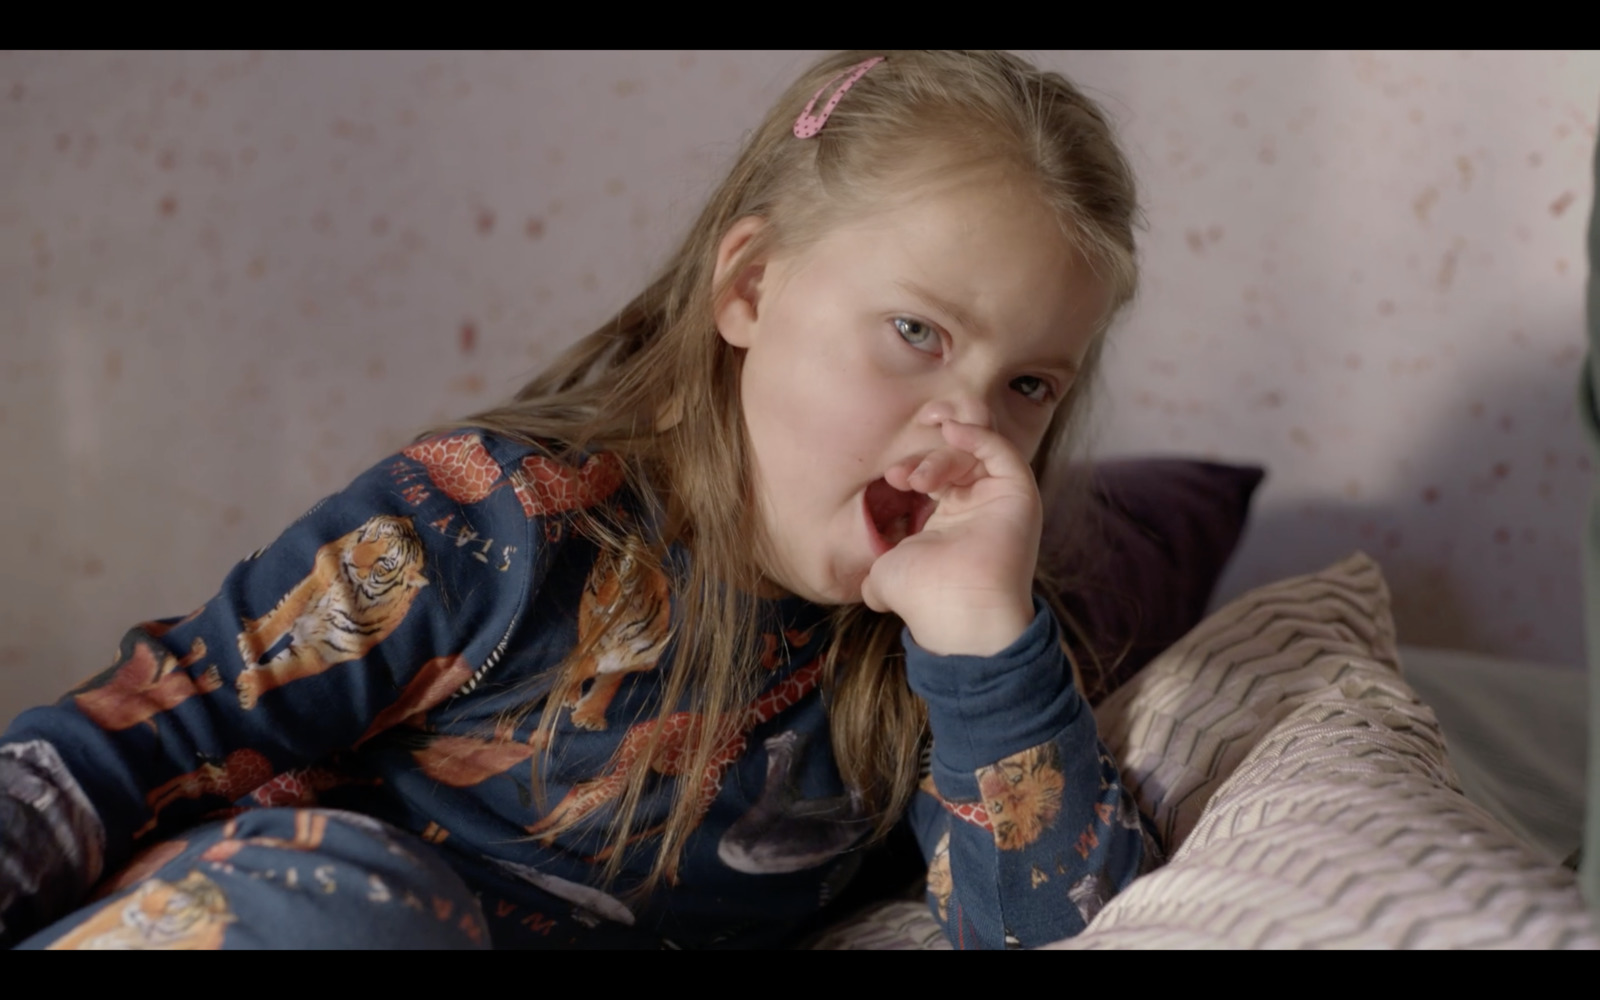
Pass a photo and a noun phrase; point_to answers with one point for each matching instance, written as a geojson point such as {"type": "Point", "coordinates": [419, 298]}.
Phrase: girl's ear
{"type": "Point", "coordinates": [736, 310]}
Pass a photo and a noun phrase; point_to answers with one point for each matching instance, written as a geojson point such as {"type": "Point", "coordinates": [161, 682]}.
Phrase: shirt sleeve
{"type": "Point", "coordinates": [1022, 815]}
{"type": "Point", "coordinates": [381, 602]}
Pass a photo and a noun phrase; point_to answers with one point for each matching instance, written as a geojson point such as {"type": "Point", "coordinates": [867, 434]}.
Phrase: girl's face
{"type": "Point", "coordinates": [957, 302]}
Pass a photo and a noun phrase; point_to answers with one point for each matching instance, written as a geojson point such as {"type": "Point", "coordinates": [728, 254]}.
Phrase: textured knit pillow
{"type": "Point", "coordinates": [1140, 560]}
{"type": "Point", "coordinates": [1307, 795]}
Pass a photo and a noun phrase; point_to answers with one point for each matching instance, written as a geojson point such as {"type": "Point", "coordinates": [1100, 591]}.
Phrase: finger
{"type": "Point", "coordinates": [942, 466]}
{"type": "Point", "coordinates": [997, 455]}
{"type": "Point", "coordinates": [870, 595]}
{"type": "Point", "coordinates": [899, 475]}
{"type": "Point", "coordinates": [945, 468]}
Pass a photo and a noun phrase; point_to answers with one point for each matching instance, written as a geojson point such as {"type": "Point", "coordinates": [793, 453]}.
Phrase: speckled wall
{"type": "Point", "coordinates": [228, 282]}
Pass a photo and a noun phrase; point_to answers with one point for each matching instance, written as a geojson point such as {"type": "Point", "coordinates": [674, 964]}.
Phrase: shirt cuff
{"type": "Point", "coordinates": [982, 709]}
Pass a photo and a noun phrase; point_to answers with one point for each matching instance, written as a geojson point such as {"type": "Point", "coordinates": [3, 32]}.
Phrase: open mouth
{"type": "Point", "coordinates": [894, 515]}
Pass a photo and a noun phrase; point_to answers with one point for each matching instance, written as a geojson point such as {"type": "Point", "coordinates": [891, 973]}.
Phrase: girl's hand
{"type": "Point", "coordinates": [964, 583]}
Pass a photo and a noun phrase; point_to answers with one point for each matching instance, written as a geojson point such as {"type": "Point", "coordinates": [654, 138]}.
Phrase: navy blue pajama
{"type": "Point", "coordinates": [342, 718]}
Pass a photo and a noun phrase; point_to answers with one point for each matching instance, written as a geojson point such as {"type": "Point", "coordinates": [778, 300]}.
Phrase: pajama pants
{"type": "Point", "coordinates": [280, 878]}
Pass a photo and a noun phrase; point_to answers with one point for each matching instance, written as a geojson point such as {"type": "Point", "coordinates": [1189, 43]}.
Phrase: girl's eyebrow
{"type": "Point", "coordinates": [944, 305]}
{"type": "Point", "coordinates": [967, 320]}
{"type": "Point", "coordinates": [1067, 365]}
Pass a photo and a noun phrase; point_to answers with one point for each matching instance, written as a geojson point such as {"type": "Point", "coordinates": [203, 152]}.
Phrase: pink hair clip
{"type": "Point", "coordinates": [808, 124]}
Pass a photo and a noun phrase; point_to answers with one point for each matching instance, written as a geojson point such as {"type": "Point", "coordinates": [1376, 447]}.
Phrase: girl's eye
{"type": "Point", "coordinates": [916, 333]}
{"type": "Point", "coordinates": [1035, 389]}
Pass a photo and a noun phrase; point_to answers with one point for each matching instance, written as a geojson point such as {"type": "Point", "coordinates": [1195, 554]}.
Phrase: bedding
{"type": "Point", "coordinates": [1306, 796]}
{"type": "Point", "coordinates": [1516, 736]}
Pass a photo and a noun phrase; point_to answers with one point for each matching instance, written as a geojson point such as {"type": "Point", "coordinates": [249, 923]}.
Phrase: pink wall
{"type": "Point", "coordinates": [228, 282]}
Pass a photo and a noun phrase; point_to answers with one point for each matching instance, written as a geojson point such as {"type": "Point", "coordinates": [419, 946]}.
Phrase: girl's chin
{"type": "Point", "coordinates": [847, 591]}
{"type": "Point", "coordinates": [831, 597]}
{"type": "Point", "coordinates": [825, 581]}
{"type": "Point", "coordinates": [835, 591]}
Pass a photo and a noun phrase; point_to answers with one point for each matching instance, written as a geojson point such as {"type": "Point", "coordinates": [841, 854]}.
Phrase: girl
{"type": "Point", "coordinates": [648, 655]}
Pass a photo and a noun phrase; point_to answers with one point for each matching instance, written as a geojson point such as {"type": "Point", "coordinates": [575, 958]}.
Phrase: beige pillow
{"type": "Point", "coordinates": [1309, 794]}
{"type": "Point", "coordinates": [1305, 795]}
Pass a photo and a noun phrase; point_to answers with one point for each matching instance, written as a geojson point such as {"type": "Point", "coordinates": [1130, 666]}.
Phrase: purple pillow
{"type": "Point", "coordinates": [1139, 554]}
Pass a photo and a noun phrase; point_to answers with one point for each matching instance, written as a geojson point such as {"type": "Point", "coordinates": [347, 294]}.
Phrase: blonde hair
{"type": "Point", "coordinates": [659, 387]}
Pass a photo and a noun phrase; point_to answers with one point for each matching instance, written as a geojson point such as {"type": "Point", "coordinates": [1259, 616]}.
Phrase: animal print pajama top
{"type": "Point", "coordinates": [366, 661]}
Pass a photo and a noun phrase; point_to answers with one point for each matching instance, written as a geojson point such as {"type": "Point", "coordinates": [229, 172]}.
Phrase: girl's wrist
{"type": "Point", "coordinates": [973, 629]}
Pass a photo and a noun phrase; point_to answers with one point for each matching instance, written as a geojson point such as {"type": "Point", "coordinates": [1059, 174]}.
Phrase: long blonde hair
{"type": "Point", "coordinates": [657, 386]}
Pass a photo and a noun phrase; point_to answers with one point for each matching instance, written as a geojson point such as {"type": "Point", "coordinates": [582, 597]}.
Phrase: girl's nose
{"type": "Point", "coordinates": [964, 408]}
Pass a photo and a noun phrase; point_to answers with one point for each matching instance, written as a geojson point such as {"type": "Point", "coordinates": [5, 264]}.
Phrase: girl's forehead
{"type": "Point", "coordinates": [943, 228]}
{"type": "Point", "coordinates": [989, 257]}
{"type": "Point", "coordinates": [909, 195]}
